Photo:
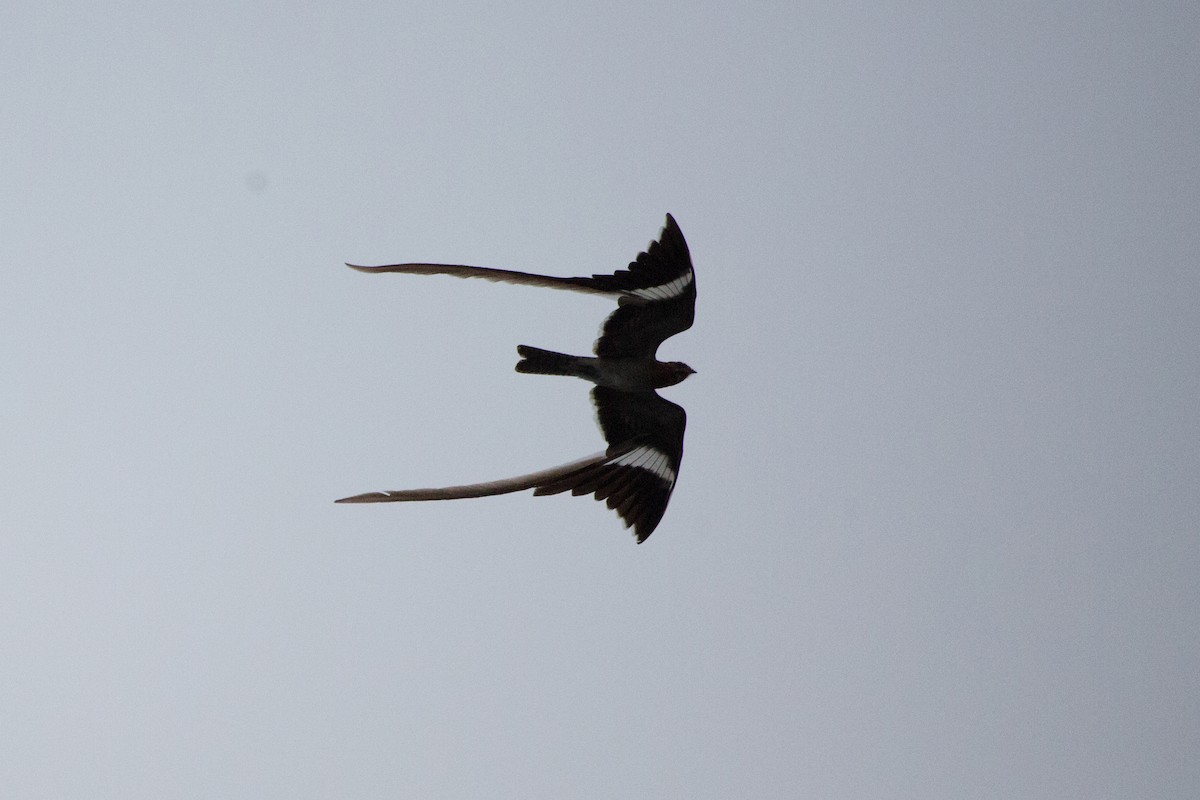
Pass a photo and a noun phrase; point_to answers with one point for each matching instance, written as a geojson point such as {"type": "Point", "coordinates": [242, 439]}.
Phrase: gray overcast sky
{"type": "Point", "coordinates": [936, 532]}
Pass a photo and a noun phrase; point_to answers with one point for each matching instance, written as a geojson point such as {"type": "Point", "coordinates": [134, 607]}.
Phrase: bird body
{"type": "Point", "coordinates": [625, 374]}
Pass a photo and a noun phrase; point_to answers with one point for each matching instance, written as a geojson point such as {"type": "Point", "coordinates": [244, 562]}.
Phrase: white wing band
{"type": "Point", "coordinates": [650, 459]}
{"type": "Point", "coordinates": [667, 290]}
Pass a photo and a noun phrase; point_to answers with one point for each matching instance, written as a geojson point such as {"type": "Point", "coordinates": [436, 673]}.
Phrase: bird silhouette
{"type": "Point", "coordinates": [656, 299]}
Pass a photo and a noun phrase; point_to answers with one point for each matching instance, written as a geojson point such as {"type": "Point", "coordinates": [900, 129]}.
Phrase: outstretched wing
{"type": "Point", "coordinates": [659, 299]}
{"type": "Point", "coordinates": [645, 434]}
{"type": "Point", "coordinates": [663, 273]}
{"type": "Point", "coordinates": [635, 475]}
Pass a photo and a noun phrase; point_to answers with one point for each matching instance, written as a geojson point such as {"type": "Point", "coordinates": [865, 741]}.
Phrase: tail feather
{"type": "Point", "coordinates": [536, 361]}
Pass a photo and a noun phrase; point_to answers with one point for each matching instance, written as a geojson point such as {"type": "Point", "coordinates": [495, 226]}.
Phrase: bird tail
{"type": "Point", "coordinates": [536, 361]}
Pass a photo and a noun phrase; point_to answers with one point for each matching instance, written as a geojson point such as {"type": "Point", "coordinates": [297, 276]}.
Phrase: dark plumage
{"type": "Point", "coordinates": [656, 298]}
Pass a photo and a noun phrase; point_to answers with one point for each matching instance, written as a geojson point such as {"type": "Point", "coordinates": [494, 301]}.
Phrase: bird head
{"type": "Point", "coordinates": [674, 372]}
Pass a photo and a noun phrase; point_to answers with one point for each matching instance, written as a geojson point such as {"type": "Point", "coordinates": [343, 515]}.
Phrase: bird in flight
{"type": "Point", "coordinates": [656, 299]}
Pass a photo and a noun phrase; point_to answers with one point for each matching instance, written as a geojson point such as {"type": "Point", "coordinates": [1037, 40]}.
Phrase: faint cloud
{"type": "Point", "coordinates": [256, 181]}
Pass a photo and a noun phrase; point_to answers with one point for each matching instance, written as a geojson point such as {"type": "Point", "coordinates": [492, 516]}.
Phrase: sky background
{"type": "Point", "coordinates": [936, 533]}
